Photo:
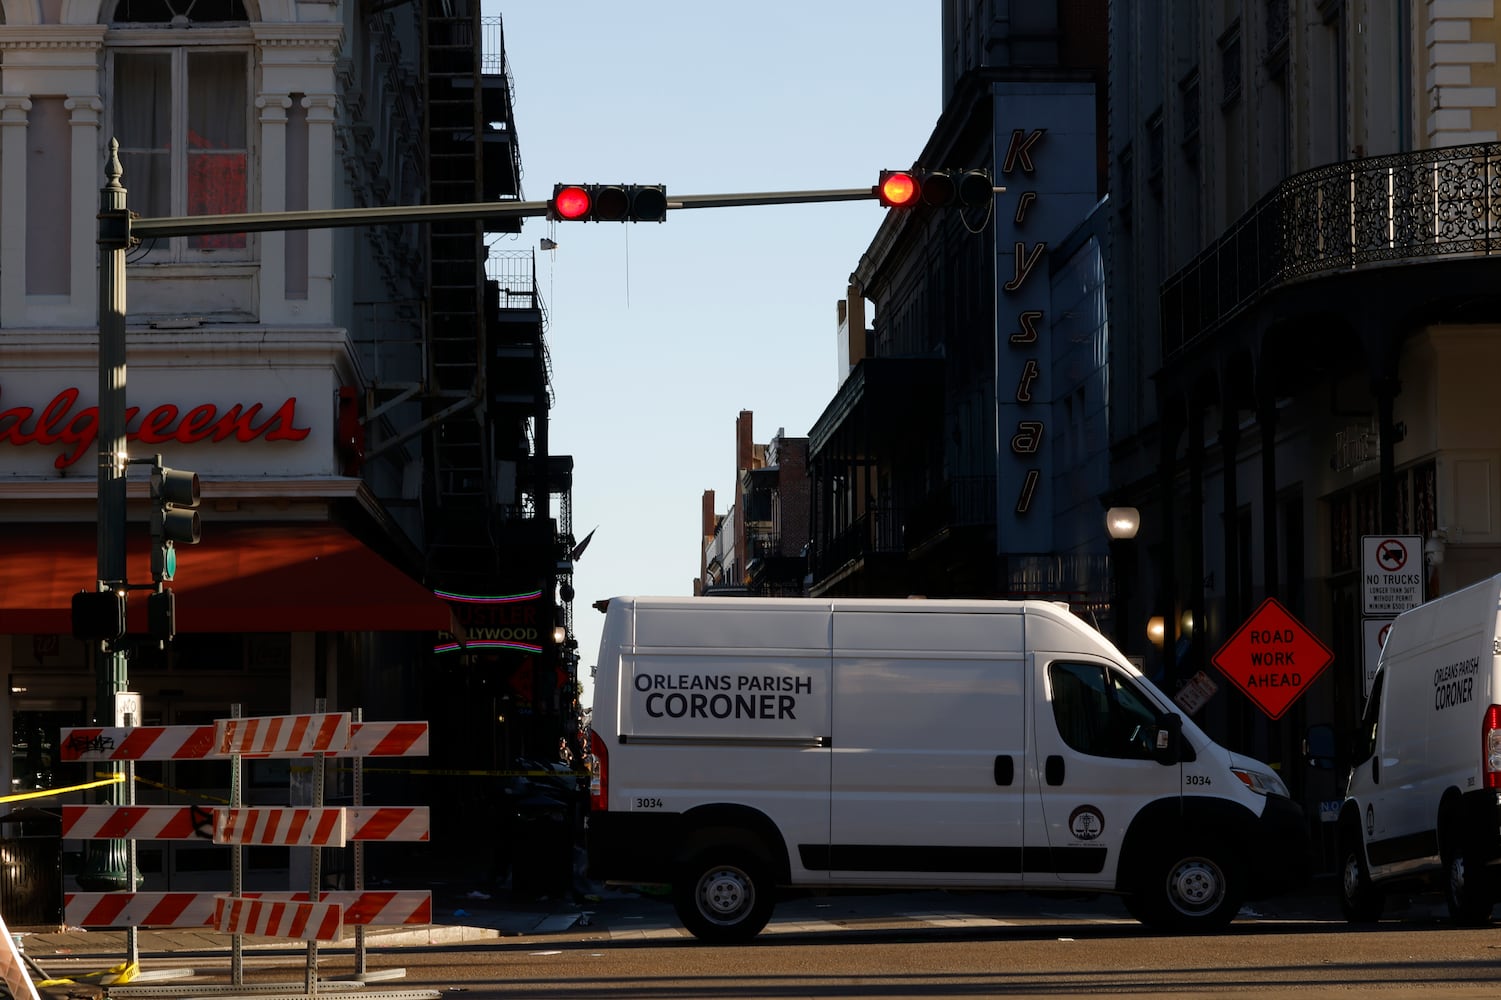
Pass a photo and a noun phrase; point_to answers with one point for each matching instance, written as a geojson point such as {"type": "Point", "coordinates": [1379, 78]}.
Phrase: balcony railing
{"type": "Point", "coordinates": [1426, 204]}
{"type": "Point", "coordinates": [879, 531]}
{"type": "Point", "coordinates": [964, 501]}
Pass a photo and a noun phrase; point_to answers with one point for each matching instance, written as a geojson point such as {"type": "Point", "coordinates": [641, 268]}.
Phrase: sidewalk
{"type": "Point", "coordinates": [458, 916]}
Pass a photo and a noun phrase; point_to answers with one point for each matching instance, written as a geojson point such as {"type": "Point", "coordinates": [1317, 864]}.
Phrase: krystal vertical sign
{"type": "Point", "coordinates": [1046, 156]}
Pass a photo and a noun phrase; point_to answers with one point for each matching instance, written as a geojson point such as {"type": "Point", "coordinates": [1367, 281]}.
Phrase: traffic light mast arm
{"type": "Point", "coordinates": [335, 218]}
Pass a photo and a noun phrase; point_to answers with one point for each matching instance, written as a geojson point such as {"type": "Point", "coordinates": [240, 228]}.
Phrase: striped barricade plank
{"type": "Point", "coordinates": [137, 742]}
{"type": "Point", "coordinates": [139, 909]}
{"type": "Point", "coordinates": [371, 907]}
{"type": "Point", "coordinates": [389, 823]}
{"type": "Point", "coordinates": [13, 969]}
{"type": "Point", "coordinates": [386, 739]}
{"type": "Point", "coordinates": [279, 918]}
{"type": "Point", "coordinates": [283, 735]}
{"type": "Point", "coordinates": [137, 822]}
{"type": "Point", "coordinates": [280, 826]}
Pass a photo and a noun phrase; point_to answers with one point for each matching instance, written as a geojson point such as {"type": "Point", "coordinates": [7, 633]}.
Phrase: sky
{"type": "Point", "coordinates": [660, 334]}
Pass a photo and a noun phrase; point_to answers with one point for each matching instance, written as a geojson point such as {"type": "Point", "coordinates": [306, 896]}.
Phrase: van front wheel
{"type": "Point", "coordinates": [1188, 890]}
{"type": "Point", "coordinates": [1359, 899]}
{"type": "Point", "coordinates": [723, 895]}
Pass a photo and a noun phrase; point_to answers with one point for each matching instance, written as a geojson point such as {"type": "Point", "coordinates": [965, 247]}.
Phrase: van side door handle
{"type": "Point", "coordinates": [1005, 770]}
{"type": "Point", "coordinates": [1052, 771]}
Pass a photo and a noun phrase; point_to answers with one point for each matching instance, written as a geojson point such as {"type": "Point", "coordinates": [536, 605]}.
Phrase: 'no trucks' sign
{"type": "Point", "coordinates": [1273, 658]}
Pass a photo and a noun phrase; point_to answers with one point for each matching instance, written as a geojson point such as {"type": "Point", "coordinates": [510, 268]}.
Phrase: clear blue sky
{"type": "Point", "coordinates": [661, 334]}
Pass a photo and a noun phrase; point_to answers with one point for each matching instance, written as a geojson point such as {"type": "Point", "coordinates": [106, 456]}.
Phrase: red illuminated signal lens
{"type": "Point", "coordinates": [898, 189]}
{"type": "Point", "coordinates": [571, 202]}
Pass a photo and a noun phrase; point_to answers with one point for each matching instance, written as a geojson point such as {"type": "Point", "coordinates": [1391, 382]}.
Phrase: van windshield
{"type": "Point", "coordinates": [1099, 712]}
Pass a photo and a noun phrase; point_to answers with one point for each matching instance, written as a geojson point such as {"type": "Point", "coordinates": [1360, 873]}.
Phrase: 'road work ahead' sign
{"type": "Point", "coordinates": [1273, 658]}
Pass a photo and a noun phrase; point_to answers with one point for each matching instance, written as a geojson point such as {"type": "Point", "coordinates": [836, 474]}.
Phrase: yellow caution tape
{"type": "Point", "coordinates": [111, 780]}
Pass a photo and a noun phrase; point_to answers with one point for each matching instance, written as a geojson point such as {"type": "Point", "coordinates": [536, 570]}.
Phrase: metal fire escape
{"type": "Point", "coordinates": [472, 157]}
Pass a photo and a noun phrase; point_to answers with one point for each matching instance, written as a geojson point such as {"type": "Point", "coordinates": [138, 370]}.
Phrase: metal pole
{"type": "Point", "coordinates": [109, 868]}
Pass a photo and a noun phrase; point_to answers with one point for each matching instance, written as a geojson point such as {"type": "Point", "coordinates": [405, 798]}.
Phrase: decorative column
{"type": "Point", "coordinates": [13, 120]}
{"type": "Point", "coordinates": [321, 113]}
{"type": "Point", "coordinates": [83, 285]}
{"type": "Point", "coordinates": [273, 279]}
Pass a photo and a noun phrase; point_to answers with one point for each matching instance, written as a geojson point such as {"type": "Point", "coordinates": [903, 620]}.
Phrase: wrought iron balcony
{"type": "Point", "coordinates": [1424, 205]}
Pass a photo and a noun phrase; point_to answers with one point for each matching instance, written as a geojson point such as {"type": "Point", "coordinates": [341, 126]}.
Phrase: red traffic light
{"type": "Point", "coordinates": [897, 189]}
{"type": "Point", "coordinates": [608, 203]}
{"type": "Point", "coordinates": [938, 188]}
{"type": "Point", "coordinates": [570, 202]}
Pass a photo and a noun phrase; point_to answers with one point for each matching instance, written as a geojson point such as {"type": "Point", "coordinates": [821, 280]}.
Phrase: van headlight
{"type": "Point", "coordinates": [1260, 782]}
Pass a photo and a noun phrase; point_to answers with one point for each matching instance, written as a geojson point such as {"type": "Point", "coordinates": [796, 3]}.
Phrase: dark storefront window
{"type": "Point", "coordinates": [1356, 512]}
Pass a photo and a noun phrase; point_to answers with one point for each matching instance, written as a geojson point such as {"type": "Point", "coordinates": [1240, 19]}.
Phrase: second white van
{"type": "Point", "coordinates": [1422, 809]}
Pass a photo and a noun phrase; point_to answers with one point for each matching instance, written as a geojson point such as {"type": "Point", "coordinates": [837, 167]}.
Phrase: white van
{"type": "Point", "coordinates": [1423, 805]}
{"type": "Point", "coordinates": [747, 746]}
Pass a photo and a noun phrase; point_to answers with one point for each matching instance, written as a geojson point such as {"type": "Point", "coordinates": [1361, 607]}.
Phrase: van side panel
{"type": "Point", "coordinates": [929, 749]}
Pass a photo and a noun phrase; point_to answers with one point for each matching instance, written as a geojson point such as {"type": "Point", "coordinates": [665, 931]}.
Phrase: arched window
{"type": "Point", "coordinates": [181, 110]}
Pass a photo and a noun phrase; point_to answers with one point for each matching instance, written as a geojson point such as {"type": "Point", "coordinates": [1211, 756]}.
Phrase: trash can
{"type": "Point", "coordinates": [31, 868]}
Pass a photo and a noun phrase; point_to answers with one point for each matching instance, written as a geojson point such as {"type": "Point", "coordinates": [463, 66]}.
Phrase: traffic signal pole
{"type": "Point", "coordinates": [118, 232]}
{"type": "Point", "coordinates": [109, 866]}
{"type": "Point", "coordinates": [335, 218]}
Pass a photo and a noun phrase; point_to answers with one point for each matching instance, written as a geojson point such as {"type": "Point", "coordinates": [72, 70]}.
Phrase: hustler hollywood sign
{"type": "Point", "coordinates": [61, 422]}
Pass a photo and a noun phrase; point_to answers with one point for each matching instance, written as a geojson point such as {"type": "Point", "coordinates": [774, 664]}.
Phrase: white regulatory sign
{"type": "Point", "coordinates": [1391, 573]}
{"type": "Point", "coordinates": [127, 708]}
{"type": "Point", "coordinates": [1374, 637]}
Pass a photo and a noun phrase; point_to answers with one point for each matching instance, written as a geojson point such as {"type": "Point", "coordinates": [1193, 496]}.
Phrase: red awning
{"type": "Point", "coordinates": [242, 578]}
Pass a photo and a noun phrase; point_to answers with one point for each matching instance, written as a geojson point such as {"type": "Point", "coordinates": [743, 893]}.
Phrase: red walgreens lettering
{"type": "Point", "coordinates": [59, 424]}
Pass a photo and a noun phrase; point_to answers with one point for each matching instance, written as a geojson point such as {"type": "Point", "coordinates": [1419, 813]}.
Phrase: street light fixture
{"type": "Point", "coordinates": [1123, 523]}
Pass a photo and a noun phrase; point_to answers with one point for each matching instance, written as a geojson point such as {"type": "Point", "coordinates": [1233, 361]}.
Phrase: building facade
{"type": "Point", "coordinates": [366, 407]}
{"type": "Point", "coordinates": [758, 547]}
{"type": "Point", "coordinates": [1303, 212]}
{"type": "Point", "coordinates": [965, 452]}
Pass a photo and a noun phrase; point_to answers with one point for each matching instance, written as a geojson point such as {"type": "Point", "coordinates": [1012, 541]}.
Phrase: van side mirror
{"type": "Point", "coordinates": [1171, 747]}
{"type": "Point", "coordinates": [1318, 747]}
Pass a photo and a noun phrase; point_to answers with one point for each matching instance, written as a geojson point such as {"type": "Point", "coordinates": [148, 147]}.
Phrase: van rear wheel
{"type": "Point", "coordinates": [1189, 890]}
{"type": "Point", "coordinates": [1466, 890]}
{"type": "Point", "coordinates": [723, 895]}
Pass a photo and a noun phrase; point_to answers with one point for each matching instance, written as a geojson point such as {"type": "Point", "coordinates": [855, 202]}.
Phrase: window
{"type": "Point", "coordinates": [1189, 89]}
{"type": "Point", "coordinates": [1154, 152]}
{"type": "Point", "coordinates": [1099, 713]}
{"type": "Point", "coordinates": [182, 114]}
{"type": "Point", "coordinates": [1128, 184]}
{"type": "Point", "coordinates": [1230, 71]}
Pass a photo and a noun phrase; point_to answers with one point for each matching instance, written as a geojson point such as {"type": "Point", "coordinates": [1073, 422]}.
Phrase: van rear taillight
{"type": "Point", "coordinates": [1490, 746]}
{"type": "Point", "coordinates": [599, 773]}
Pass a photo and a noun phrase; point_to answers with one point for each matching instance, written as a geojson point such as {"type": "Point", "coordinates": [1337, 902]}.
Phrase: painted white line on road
{"type": "Point", "coordinates": [956, 920]}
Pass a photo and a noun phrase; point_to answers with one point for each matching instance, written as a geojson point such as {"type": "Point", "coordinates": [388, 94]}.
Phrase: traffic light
{"type": "Point", "coordinates": [161, 615]}
{"type": "Point", "coordinates": [99, 614]}
{"type": "Point", "coordinates": [608, 203]}
{"type": "Point", "coordinates": [174, 518]}
{"type": "Point", "coordinates": [939, 188]}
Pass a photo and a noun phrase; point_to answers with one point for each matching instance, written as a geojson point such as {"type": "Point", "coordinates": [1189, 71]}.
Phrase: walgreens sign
{"type": "Point", "coordinates": [62, 422]}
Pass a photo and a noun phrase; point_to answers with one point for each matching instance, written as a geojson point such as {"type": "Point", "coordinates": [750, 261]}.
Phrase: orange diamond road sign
{"type": "Point", "coordinates": [1273, 658]}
